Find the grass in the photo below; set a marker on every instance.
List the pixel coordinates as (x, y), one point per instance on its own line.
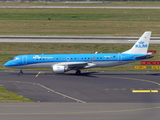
(79, 14)
(7, 96)
(9, 50)
(79, 22)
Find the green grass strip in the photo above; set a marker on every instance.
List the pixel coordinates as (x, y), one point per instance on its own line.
(79, 22)
(7, 96)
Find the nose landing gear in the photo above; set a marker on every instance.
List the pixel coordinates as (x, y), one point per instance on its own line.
(20, 72)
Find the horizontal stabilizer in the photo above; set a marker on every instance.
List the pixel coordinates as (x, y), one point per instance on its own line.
(146, 56)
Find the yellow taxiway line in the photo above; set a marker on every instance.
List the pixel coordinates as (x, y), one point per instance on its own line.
(145, 91)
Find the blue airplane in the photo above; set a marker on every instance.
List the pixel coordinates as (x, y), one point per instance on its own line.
(61, 63)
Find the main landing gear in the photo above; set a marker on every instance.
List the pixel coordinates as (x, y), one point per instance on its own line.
(78, 72)
(20, 72)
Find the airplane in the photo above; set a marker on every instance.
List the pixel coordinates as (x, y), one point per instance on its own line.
(61, 63)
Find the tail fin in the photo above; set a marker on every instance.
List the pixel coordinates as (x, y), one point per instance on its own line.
(141, 46)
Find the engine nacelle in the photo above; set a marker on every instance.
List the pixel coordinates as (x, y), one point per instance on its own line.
(59, 69)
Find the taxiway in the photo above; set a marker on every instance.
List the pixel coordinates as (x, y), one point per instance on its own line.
(90, 96)
(108, 87)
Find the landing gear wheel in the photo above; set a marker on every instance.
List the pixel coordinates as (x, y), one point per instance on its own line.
(78, 72)
(21, 72)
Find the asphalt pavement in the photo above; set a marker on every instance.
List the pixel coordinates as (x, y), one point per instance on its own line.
(107, 87)
(90, 96)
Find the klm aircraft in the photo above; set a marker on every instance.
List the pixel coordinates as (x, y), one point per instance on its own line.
(61, 63)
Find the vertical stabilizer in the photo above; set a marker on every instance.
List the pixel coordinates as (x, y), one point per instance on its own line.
(141, 46)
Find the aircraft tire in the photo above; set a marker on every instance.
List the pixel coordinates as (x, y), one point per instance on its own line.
(78, 72)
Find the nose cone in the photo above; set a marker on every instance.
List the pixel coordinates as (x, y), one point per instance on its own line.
(6, 64)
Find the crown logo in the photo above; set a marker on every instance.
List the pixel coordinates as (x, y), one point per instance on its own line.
(141, 45)
(141, 42)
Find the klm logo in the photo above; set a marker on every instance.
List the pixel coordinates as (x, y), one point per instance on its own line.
(36, 57)
(141, 45)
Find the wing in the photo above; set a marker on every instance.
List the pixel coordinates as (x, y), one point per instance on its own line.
(76, 65)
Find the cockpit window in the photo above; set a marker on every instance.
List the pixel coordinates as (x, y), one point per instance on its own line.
(15, 59)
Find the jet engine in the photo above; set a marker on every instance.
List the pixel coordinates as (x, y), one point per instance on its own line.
(59, 69)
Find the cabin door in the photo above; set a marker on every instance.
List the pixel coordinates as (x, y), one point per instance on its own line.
(119, 57)
(24, 59)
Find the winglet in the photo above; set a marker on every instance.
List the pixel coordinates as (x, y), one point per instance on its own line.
(141, 46)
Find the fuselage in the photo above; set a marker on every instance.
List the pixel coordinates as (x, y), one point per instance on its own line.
(48, 60)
